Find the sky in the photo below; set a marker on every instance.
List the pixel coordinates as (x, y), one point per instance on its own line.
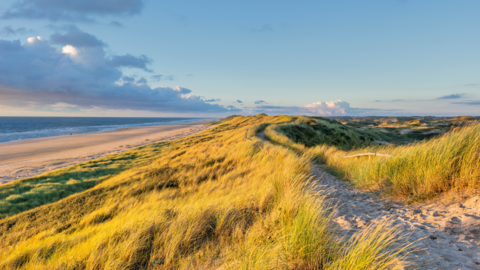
(218, 58)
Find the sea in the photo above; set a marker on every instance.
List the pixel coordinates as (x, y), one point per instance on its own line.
(24, 128)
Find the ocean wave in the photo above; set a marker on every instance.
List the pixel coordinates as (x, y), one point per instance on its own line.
(61, 131)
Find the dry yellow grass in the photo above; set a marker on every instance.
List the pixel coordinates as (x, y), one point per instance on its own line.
(419, 171)
(207, 201)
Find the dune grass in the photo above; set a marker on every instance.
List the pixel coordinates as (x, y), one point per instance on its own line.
(312, 131)
(202, 202)
(416, 172)
(24, 194)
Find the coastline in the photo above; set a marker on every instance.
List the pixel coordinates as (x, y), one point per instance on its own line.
(28, 158)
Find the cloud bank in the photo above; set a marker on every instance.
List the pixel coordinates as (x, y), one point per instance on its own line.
(452, 96)
(38, 75)
(77, 38)
(130, 61)
(260, 102)
(329, 108)
(469, 102)
(71, 10)
(10, 31)
(160, 77)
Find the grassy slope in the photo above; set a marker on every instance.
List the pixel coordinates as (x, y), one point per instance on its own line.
(208, 200)
(28, 193)
(312, 131)
(415, 172)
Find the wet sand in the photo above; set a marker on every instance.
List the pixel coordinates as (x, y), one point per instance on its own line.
(28, 158)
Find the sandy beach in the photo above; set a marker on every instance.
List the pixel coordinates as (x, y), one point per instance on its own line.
(28, 158)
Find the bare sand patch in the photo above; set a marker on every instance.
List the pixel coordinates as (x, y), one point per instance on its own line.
(448, 235)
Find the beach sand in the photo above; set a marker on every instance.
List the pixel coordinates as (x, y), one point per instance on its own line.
(446, 236)
(29, 158)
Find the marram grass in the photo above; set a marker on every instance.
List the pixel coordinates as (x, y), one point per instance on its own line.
(208, 201)
(415, 172)
(420, 171)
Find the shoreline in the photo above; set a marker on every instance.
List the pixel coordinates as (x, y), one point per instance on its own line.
(110, 129)
(32, 157)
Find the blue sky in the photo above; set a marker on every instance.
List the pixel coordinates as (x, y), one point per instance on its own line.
(200, 58)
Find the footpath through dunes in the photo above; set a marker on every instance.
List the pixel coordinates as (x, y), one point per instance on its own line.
(220, 199)
(447, 237)
(212, 200)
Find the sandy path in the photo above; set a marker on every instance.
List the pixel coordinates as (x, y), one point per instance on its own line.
(33, 157)
(450, 236)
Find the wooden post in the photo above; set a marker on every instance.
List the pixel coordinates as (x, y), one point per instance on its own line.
(369, 154)
(247, 139)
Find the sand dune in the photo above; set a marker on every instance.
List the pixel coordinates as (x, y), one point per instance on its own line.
(448, 237)
(33, 157)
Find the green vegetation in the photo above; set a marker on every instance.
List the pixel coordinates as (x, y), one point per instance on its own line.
(419, 171)
(465, 118)
(25, 194)
(312, 131)
(411, 128)
(202, 202)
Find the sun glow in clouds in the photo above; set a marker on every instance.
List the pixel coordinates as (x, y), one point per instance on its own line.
(69, 49)
(34, 39)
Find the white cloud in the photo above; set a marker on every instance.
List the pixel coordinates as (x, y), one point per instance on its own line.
(328, 108)
(35, 39)
(69, 49)
(337, 107)
(39, 76)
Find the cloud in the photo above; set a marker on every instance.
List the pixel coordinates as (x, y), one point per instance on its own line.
(469, 102)
(471, 84)
(263, 29)
(239, 101)
(10, 46)
(452, 96)
(128, 79)
(260, 102)
(74, 11)
(213, 100)
(142, 80)
(189, 75)
(130, 61)
(116, 24)
(39, 76)
(329, 108)
(160, 77)
(10, 31)
(77, 38)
